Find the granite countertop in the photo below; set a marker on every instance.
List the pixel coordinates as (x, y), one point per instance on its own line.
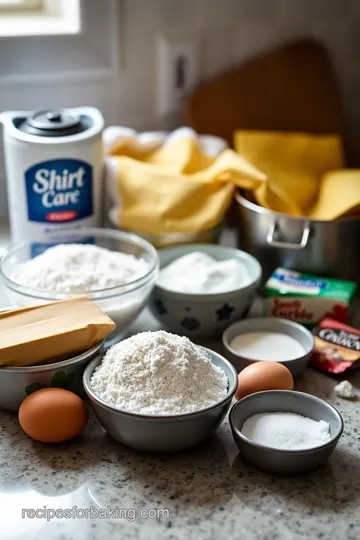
(205, 493)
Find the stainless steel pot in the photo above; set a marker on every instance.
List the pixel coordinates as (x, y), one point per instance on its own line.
(328, 248)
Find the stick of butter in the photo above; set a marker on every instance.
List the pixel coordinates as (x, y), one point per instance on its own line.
(307, 299)
(47, 332)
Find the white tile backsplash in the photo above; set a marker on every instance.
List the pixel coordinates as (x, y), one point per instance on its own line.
(139, 51)
(135, 100)
(232, 31)
(323, 10)
(256, 10)
(216, 13)
(143, 14)
(218, 51)
(184, 13)
(257, 36)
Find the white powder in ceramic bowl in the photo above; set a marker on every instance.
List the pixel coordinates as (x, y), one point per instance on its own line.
(197, 272)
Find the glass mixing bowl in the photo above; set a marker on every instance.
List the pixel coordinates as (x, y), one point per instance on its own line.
(122, 303)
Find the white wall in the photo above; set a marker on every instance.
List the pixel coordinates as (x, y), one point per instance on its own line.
(231, 31)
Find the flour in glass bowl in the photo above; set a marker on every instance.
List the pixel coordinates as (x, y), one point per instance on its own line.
(157, 373)
(85, 268)
(77, 268)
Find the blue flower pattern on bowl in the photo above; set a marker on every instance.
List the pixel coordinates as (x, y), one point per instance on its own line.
(190, 323)
(224, 312)
(159, 306)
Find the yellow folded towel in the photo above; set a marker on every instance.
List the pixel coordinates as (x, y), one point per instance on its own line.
(178, 188)
(339, 196)
(294, 163)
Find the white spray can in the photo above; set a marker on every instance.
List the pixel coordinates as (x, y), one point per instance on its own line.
(54, 167)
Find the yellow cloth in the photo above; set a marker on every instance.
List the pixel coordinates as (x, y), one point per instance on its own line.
(295, 164)
(177, 188)
(339, 195)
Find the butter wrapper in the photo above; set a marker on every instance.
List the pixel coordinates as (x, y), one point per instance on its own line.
(48, 332)
(307, 299)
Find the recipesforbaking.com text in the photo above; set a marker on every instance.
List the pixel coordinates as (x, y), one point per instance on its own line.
(110, 512)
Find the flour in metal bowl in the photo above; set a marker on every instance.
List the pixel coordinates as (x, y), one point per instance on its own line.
(157, 373)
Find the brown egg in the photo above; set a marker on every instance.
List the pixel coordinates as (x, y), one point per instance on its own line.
(53, 415)
(263, 376)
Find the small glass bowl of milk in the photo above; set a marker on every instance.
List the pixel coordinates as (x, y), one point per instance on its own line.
(270, 340)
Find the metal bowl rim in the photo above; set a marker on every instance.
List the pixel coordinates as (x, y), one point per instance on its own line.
(55, 365)
(334, 438)
(89, 370)
(249, 205)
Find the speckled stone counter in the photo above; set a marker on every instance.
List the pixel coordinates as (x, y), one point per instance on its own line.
(206, 493)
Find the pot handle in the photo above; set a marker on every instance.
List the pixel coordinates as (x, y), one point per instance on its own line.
(288, 245)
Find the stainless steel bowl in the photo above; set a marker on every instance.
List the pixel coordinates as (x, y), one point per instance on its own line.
(269, 324)
(16, 383)
(162, 433)
(276, 461)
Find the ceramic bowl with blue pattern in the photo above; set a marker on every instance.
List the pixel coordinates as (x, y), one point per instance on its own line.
(204, 314)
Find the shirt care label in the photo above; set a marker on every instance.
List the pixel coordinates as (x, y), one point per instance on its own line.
(59, 190)
(307, 299)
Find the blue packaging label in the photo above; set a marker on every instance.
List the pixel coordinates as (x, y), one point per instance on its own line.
(59, 190)
(299, 281)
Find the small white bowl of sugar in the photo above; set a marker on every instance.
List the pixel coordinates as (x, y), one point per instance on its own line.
(268, 339)
(285, 432)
